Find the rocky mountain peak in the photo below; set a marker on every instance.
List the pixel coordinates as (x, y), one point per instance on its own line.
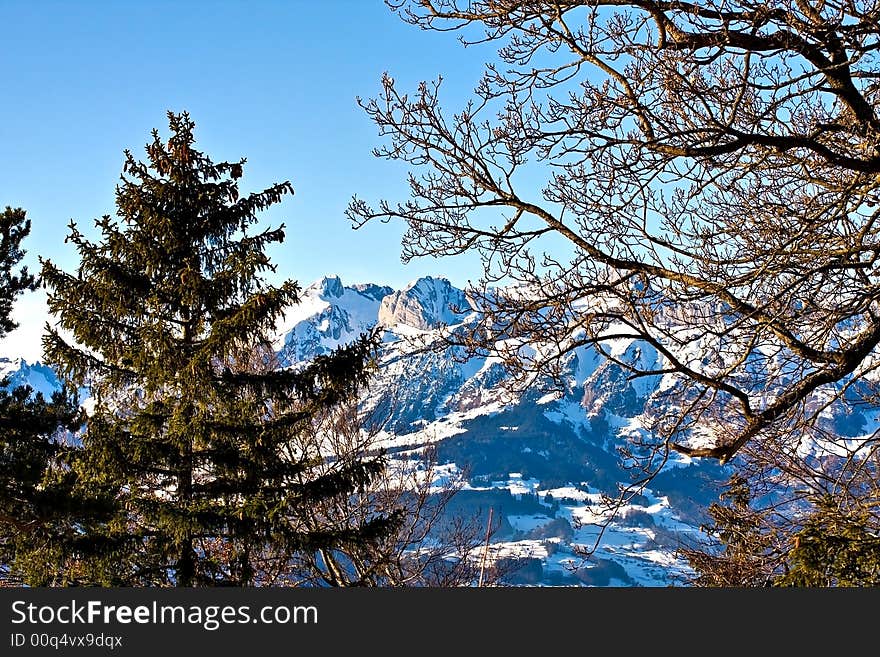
(423, 304)
(329, 287)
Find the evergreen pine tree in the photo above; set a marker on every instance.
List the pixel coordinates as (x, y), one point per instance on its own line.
(744, 547)
(42, 514)
(838, 546)
(169, 315)
(14, 227)
(34, 489)
(830, 539)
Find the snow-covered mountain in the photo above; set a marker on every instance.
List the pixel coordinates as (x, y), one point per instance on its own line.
(542, 461)
(424, 304)
(327, 316)
(545, 463)
(39, 377)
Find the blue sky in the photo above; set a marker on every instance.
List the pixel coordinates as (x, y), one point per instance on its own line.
(272, 81)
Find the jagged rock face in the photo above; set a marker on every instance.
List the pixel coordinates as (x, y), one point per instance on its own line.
(425, 304)
(331, 287)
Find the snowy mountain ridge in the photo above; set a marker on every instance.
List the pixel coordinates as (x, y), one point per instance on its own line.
(521, 448)
(39, 377)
